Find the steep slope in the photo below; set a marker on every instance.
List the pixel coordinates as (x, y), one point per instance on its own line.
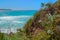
(45, 25)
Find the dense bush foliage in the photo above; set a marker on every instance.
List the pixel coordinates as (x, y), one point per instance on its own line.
(45, 25)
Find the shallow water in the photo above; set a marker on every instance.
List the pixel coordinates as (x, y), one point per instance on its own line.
(14, 19)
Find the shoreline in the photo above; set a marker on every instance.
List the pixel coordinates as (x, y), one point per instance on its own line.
(8, 30)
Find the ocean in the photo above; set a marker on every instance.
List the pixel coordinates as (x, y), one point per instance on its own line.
(11, 20)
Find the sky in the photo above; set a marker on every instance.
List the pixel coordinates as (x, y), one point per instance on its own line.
(23, 4)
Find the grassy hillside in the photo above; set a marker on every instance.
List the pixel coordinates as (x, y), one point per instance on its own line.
(44, 25)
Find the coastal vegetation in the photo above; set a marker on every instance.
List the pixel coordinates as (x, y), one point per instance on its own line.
(44, 25)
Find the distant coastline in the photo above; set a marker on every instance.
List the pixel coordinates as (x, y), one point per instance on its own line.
(5, 9)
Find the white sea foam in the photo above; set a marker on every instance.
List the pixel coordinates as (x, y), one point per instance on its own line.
(12, 17)
(8, 30)
(18, 21)
(11, 20)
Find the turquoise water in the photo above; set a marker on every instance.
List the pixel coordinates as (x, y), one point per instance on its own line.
(15, 19)
(17, 13)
